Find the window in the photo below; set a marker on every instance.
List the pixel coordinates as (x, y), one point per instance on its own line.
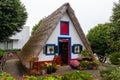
(10, 45)
(76, 48)
(6, 45)
(50, 49)
(2, 45)
(64, 27)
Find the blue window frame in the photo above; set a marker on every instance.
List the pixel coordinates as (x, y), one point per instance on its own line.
(76, 48)
(64, 27)
(50, 49)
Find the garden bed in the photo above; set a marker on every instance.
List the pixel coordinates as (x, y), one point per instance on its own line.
(67, 69)
(61, 70)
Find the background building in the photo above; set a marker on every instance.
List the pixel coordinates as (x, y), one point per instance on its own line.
(17, 41)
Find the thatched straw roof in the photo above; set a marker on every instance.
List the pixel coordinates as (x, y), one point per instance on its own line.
(38, 40)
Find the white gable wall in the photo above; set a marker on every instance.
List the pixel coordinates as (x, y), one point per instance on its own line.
(75, 39)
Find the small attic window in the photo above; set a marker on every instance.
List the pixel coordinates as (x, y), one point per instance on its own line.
(64, 27)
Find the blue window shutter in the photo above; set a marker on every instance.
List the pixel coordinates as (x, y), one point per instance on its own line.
(56, 49)
(81, 48)
(45, 49)
(73, 49)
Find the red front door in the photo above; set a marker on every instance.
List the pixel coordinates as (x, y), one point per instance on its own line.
(64, 51)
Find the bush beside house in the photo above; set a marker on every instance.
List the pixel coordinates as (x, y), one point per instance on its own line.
(115, 58)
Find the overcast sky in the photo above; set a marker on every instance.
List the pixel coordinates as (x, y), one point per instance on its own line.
(89, 12)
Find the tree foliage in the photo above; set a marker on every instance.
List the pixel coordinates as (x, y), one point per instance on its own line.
(115, 18)
(100, 38)
(12, 17)
(105, 38)
(36, 26)
(115, 58)
(107, 35)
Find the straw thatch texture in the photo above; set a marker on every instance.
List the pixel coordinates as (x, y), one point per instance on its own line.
(38, 40)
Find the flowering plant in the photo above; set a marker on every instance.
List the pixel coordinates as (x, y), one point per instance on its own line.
(57, 60)
(50, 67)
(6, 76)
(29, 78)
(52, 77)
(74, 64)
(34, 72)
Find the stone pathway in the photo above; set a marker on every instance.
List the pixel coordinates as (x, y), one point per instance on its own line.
(13, 67)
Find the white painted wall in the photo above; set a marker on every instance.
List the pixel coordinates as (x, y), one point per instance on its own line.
(20, 38)
(75, 39)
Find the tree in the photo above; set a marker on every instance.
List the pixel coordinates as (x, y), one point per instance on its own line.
(105, 38)
(36, 26)
(115, 18)
(12, 17)
(115, 46)
(100, 38)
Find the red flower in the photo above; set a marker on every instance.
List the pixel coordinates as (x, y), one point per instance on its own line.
(24, 77)
(47, 75)
(90, 78)
(59, 74)
(15, 76)
(4, 79)
(30, 79)
(37, 72)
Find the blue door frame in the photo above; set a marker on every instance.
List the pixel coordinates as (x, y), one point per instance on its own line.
(68, 39)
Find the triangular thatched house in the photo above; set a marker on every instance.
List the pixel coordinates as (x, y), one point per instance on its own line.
(60, 33)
